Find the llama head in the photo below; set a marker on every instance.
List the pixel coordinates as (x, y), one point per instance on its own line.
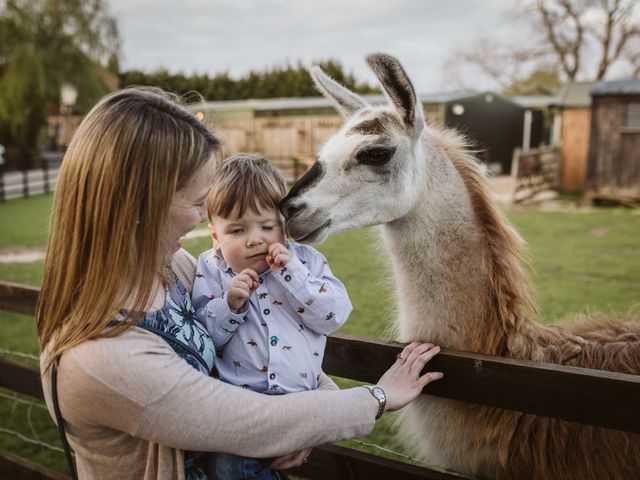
(368, 173)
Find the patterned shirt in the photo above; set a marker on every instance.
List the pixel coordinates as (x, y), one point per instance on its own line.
(276, 344)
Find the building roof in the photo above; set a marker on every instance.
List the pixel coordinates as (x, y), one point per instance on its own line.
(315, 102)
(617, 87)
(535, 101)
(575, 94)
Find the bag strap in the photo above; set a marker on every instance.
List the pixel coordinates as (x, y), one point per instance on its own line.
(174, 341)
(60, 420)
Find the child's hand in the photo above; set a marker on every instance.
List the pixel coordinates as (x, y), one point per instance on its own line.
(277, 256)
(241, 288)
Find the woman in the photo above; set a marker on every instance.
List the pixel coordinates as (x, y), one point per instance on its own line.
(114, 316)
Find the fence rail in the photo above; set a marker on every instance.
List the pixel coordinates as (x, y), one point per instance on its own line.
(23, 183)
(595, 397)
(535, 171)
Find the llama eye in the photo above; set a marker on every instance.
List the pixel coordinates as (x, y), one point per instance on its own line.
(375, 156)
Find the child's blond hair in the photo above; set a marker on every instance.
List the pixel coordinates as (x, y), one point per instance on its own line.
(246, 181)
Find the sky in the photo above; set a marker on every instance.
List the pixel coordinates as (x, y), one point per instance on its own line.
(241, 35)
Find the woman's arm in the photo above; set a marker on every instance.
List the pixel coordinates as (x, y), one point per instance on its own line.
(325, 383)
(135, 383)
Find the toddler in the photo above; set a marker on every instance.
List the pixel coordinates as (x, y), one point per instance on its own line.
(268, 304)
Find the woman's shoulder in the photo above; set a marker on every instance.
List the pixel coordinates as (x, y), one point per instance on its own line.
(111, 381)
(184, 266)
(119, 365)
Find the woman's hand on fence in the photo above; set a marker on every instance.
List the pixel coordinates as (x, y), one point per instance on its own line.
(290, 460)
(402, 382)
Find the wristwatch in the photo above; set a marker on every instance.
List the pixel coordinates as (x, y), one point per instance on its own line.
(380, 396)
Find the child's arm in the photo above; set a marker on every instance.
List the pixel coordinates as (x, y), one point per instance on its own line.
(210, 302)
(320, 299)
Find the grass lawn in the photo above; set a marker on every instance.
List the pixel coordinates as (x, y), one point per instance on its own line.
(581, 262)
(25, 222)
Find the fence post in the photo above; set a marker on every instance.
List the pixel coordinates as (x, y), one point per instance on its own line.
(296, 171)
(25, 183)
(2, 193)
(515, 163)
(45, 172)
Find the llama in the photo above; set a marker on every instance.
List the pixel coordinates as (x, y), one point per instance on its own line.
(460, 283)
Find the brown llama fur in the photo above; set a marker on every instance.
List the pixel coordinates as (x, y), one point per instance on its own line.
(494, 443)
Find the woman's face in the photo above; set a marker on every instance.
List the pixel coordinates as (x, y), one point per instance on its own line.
(188, 207)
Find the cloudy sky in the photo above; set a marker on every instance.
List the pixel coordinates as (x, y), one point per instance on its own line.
(240, 35)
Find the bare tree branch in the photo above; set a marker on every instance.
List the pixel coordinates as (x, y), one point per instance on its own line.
(580, 38)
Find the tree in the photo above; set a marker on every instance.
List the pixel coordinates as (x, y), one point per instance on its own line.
(544, 80)
(571, 27)
(21, 108)
(279, 81)
(579, 39)
(44, 43)
(502, 65)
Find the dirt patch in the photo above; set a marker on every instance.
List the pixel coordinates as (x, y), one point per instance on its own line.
(22, 255)
(599, 232)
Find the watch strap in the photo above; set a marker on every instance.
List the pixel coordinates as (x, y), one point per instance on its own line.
(382, 402)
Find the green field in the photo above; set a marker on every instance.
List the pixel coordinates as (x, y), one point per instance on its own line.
(582, 262)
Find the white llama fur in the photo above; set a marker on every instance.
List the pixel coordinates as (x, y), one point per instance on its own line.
(459, 282)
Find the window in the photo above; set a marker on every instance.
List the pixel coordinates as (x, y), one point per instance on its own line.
(633, 115)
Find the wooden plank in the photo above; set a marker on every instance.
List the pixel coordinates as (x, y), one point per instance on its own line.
(594, 397)
(576, 126)
(340, 463)
(20, 378)
(13, 467)
(18, 298)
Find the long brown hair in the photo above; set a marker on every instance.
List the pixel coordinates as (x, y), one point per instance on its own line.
(129, 156)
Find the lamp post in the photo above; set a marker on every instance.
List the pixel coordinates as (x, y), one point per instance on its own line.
(68, 97)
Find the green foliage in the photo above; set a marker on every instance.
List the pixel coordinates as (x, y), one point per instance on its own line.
(44, 43)
(22, 90)
(287, 81)
(542, 81)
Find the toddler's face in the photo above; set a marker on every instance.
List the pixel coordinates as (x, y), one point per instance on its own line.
(244, 240)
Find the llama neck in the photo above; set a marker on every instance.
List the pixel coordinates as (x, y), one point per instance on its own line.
(440, 257)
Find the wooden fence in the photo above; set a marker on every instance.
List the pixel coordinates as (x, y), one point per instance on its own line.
(535, 171)
(23, 183)
(280, 140)
(604, 399)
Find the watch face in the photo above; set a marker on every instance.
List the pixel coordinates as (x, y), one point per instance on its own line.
(378, 393)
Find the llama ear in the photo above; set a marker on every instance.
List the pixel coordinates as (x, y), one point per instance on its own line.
(346, 101)
(398, 88)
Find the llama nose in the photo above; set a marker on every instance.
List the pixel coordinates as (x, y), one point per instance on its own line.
(289, 209)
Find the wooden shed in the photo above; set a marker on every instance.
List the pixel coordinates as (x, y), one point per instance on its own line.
(495, 125)
(573, 122)
(614, 148)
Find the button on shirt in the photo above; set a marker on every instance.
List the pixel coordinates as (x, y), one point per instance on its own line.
(275, 345)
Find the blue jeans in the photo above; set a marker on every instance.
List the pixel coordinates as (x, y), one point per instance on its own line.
(224, 466)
